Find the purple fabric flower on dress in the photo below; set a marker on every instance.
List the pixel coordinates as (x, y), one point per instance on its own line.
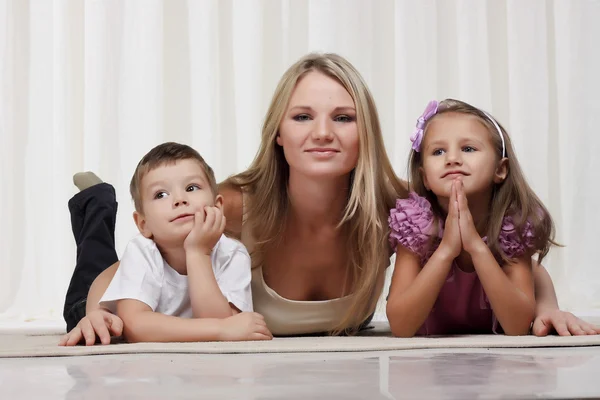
(411, 224)
(511, 244)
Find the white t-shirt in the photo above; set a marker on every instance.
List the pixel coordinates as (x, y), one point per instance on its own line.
(144, 275)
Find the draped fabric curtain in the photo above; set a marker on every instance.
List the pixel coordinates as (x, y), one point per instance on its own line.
(94, 84)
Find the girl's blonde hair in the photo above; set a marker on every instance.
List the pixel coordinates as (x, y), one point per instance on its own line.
(512, 197)
(373, 186)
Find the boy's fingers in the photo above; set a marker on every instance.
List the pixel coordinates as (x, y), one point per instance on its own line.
(100, 329)
(75, 336)
(210, 217)
(88, 332)
(116, 325)
(199, 217)
(223, 224)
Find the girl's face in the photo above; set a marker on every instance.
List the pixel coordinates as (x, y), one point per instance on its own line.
(319, 133)
(459, 145)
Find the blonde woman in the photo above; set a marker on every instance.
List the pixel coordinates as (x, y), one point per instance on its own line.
(312, 210)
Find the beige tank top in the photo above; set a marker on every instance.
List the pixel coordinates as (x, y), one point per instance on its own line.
(292, 317)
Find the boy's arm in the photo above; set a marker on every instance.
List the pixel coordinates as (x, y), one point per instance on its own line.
(413, 290)
(99, 287)
(141, 324)
(509, 289)
(205, 295)
(144, 325)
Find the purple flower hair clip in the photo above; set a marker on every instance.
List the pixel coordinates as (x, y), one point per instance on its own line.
(417, 136)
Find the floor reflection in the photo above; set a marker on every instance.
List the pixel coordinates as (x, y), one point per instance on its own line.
(501, 373)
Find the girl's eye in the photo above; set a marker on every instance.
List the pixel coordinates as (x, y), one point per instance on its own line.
(343, 118)
(468, 149)
(192, 188)
(160, 195)
(438, 152)
(302, 117)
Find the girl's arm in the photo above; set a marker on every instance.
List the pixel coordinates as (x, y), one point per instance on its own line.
(413, 291)
(545, 296)
(548, 317)
(509, 289)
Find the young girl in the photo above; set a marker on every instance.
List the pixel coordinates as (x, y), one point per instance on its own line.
(465, 236)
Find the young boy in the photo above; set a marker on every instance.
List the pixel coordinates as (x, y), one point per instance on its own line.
(181, 279)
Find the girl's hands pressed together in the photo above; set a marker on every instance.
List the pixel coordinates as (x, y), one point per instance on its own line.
(451, 241)
(471, 241)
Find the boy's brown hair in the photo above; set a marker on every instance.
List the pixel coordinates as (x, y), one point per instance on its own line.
(166, 153)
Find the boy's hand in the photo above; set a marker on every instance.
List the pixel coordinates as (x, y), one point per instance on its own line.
(245, 326)
(99, 323)
(209, 225)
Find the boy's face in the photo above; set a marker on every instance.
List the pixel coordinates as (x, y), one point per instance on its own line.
(171, 194)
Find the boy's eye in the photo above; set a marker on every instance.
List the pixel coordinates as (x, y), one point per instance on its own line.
(160, 195)
(192, 188)
(302, 117)
(343, 118)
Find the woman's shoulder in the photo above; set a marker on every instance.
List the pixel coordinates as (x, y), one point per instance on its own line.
(233, 208)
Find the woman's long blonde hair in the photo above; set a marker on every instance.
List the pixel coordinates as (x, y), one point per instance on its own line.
(512, 197)
(373, 186)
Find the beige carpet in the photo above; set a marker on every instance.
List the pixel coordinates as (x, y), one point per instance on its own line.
(375, 340)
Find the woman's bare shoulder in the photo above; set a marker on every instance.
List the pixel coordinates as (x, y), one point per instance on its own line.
(233, 208)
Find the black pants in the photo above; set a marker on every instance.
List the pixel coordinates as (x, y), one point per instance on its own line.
(93, 217)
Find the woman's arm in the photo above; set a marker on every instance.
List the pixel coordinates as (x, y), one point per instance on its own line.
(413, 291)
(509, 289)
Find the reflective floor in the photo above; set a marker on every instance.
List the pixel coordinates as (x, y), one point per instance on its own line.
(410, 374)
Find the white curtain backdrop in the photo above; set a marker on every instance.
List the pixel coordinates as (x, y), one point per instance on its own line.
(94, 84)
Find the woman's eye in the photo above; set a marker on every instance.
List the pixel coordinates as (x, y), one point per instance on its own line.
(160, 195)
(344, 118)
(192, 188)
(302, 117)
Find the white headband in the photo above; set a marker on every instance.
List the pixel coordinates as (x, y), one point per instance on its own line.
(430, 111)
(499, 132)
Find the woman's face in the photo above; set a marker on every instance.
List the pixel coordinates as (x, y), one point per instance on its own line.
(318, 133)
